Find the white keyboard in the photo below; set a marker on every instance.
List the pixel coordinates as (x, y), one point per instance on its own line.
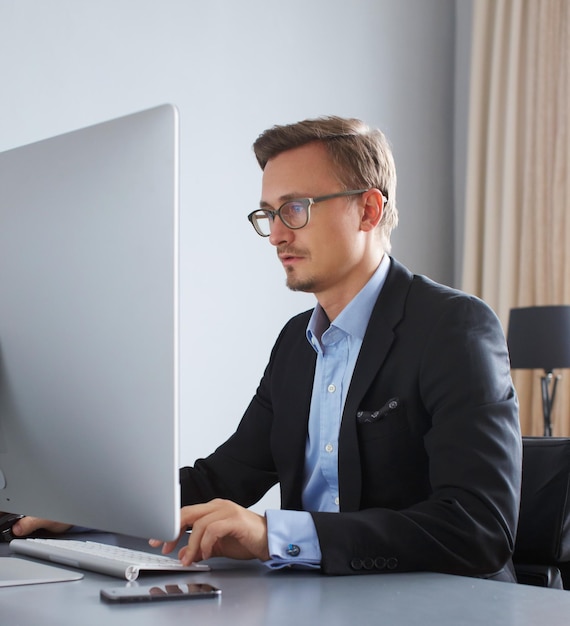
(100, 557)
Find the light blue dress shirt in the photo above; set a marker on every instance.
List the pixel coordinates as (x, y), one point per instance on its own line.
(292, 535)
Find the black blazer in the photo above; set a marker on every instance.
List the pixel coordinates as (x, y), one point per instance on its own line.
(429, 445)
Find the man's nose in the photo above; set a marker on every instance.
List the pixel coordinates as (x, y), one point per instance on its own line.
(279, 232)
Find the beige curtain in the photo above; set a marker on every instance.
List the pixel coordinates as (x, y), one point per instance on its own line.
(517, 225)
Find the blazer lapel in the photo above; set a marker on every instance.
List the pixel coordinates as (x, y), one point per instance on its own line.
(387, 313)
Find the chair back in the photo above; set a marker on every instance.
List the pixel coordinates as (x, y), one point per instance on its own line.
(543, 536)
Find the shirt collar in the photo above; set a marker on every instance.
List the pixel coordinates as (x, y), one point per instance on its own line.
(354, 318)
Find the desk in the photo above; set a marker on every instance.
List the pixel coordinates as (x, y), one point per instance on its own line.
(254, 596)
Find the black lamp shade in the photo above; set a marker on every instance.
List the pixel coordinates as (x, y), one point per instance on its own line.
(539, 337)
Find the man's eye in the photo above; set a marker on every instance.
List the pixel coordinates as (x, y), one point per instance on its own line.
(294, 208)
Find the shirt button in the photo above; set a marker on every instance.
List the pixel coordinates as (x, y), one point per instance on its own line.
(329, 447)
(337, 500)
(331, 388)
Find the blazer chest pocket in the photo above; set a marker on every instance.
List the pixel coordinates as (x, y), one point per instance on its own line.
(383, 422)
(371, 417)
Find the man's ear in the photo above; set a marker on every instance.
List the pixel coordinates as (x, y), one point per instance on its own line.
(372, 210)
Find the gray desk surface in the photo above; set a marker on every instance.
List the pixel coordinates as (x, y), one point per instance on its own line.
(254, 596)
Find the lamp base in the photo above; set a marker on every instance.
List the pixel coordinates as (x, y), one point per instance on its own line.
(548, 384)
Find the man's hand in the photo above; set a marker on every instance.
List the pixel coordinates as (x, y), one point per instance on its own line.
(28, 525)
(220, 528)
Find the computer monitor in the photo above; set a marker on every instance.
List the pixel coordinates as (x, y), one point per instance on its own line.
(89, 326)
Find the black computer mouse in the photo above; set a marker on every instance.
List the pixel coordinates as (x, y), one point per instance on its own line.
(6, 523)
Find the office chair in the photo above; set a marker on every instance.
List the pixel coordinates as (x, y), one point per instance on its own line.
(542, 547)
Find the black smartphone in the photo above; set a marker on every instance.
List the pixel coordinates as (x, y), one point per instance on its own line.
(7, 520)
(159, 593)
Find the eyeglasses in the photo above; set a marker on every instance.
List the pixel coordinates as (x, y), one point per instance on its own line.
(294, 214)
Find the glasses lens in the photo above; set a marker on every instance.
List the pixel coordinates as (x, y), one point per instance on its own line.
(262, 223)
(294, 214)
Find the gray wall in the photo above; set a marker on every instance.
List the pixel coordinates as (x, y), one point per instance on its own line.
(235, 68)
(463, 23)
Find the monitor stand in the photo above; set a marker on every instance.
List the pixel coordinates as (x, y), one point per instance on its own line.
(16, 571)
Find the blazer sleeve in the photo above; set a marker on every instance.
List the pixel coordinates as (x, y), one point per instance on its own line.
(241, 469)
(244, 467)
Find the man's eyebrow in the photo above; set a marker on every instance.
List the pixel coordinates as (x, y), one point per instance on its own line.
(282, 199)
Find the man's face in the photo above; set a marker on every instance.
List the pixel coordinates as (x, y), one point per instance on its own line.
(326, 256)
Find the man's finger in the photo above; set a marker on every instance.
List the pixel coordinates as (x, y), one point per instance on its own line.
(167, 546)
(28, 525)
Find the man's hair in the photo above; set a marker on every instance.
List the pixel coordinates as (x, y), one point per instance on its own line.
(361, 156)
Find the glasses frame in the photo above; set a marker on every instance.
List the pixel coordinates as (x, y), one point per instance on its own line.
(308, 202)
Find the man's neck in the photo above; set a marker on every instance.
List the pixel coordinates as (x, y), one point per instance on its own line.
(334, 300)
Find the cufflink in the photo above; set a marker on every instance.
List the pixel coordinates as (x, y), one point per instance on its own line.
(293, 550)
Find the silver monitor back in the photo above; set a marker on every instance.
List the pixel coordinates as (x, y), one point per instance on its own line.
(89, 326)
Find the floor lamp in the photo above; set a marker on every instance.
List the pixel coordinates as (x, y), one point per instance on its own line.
(539, 338)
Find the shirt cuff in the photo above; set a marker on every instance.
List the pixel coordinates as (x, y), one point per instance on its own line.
(292, 539)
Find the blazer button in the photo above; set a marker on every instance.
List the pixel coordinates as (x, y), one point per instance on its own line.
(392, 563)
(380, 562)
(356, 564)
(368, 563)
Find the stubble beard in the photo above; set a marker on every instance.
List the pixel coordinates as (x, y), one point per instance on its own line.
(295, 283)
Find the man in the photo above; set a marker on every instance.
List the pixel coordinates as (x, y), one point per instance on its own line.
(387, 414)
